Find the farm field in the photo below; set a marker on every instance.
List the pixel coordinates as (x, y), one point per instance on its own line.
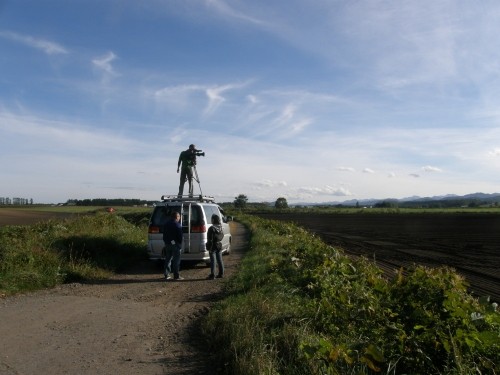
(28, 216)
(467, 242)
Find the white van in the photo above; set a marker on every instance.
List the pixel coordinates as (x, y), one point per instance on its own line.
(196, 214)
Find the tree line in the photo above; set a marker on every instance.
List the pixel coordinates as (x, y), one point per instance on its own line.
(15, 201)
(108, 202)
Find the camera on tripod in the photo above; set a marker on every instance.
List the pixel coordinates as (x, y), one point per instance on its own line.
(199, 152)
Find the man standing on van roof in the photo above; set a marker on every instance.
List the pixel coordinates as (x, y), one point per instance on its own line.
(188, 160)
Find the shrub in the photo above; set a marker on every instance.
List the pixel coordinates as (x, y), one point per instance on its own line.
(83, 248)
(299, 306)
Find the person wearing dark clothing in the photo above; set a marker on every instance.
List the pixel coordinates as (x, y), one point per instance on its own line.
(172, 236)
(214, 247)
(186, 163)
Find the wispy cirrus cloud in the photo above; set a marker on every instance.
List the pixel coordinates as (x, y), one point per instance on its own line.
(46, 46)
(223, 8)
(104, 63)
(215, 96)
(181, 97)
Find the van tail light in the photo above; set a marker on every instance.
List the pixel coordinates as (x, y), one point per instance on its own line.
(198, 229)
(153, 229)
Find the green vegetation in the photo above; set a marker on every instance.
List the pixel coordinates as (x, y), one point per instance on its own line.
(299, 306)
(296, 306)
(254, 208)
(85, 247)
(108, 202)
(240, 201)
(281, 203)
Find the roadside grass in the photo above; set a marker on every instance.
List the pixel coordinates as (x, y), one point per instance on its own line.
(299, 306)
(82, 248)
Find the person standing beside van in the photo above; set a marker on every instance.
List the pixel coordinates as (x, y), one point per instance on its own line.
(172, 237)
(215, 235)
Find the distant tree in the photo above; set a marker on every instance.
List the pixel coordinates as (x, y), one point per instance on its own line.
(240, 201)
(387, 204)
(281, 203)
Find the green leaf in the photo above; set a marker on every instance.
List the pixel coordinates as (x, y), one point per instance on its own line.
(375, 352)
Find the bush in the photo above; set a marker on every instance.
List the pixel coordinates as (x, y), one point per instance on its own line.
(299, 306)
(85, 248)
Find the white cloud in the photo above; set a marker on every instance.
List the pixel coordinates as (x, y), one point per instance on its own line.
(270, 184)
(178, 98)
(226, 10)
(429, 168)
(368, 170)
(325, 190)
(391, 174)
(60, 137)
(50, 48)
(414, 175)
(104, 63)
(215, 98)
(252, 99)
(495, 152)
(346, 169)
(182, 97)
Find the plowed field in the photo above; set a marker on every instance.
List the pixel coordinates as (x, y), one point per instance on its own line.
(470, 243)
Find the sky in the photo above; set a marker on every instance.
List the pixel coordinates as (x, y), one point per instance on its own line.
(309, 100)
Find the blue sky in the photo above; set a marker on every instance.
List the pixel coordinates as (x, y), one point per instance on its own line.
(314, 101)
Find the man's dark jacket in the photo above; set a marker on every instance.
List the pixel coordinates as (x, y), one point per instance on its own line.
(172, 231)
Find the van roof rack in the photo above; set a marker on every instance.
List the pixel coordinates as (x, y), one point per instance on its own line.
(186, 198)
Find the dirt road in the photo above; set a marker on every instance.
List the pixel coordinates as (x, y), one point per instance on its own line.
(134, 323)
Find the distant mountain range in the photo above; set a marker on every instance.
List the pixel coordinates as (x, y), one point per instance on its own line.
(475, 199)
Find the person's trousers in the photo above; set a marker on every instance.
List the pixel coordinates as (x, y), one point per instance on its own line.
(186, 173)
(172, 260)
(216, 256)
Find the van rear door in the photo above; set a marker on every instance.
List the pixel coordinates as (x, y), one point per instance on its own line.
(193, 226)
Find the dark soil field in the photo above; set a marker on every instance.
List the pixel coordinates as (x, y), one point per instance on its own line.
(469, 243)
(22, 216)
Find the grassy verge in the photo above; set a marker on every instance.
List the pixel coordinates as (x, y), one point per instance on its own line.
(86, 247)
(299, 306)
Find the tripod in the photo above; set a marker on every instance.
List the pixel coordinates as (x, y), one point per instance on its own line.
(197, 179)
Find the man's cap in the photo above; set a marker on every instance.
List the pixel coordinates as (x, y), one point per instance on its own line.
(192, 146)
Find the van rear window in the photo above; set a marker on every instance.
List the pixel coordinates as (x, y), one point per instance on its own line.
(163, 213)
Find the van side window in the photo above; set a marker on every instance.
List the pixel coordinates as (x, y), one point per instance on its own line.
(211, 210)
